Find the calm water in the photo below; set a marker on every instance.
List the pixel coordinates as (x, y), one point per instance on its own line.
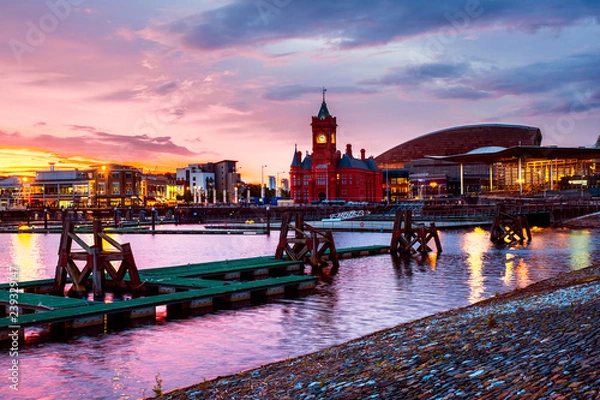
(367, 295)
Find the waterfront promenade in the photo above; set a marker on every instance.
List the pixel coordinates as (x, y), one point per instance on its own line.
(540, 342)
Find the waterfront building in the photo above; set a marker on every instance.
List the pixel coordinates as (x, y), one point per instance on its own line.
(487, 158)
(116, 185)
(60, 189)
(227, 181)
(11, 193)
(158, 189)
(209, 182)
(326, 174)
(197, 180)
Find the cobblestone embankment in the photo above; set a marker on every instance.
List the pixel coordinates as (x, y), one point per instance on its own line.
(540, 342)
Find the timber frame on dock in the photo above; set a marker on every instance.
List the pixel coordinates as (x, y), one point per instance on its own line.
(309, 244)
(409, 237)
(509, 229)
(98, 264)
(184, 290)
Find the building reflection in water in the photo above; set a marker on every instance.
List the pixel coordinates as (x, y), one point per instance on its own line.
(516, 271)
(475, 243)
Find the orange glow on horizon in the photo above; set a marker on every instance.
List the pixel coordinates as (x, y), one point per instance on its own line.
(23, 161)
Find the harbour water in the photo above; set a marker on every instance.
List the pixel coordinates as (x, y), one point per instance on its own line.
(368, 294)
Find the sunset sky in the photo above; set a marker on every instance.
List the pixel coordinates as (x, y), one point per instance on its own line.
(161, 84)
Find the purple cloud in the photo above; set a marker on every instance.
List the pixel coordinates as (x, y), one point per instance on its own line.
(356, 23)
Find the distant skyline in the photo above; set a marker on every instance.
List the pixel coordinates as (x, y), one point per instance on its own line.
(163, 84)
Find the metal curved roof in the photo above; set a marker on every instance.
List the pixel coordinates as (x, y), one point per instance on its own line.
(487, 150)
(524, 152)
(460, 140)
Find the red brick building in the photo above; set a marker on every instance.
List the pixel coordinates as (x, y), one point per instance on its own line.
(326, 174)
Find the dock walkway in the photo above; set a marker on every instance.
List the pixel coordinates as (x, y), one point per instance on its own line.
(189, 289)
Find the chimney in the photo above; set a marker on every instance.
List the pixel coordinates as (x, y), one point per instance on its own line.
(51, 166)
(362, 154)
(349, 149)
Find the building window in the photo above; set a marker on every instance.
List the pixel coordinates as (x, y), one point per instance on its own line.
(115, 175)
(320, 179)
(100, 175)
(129, 189)
(116, 188)
(306, 180)
(101, 188)
(128, 175)
(344, 179)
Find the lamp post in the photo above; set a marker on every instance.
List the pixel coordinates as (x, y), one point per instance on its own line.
(387, 183)
(262, 186)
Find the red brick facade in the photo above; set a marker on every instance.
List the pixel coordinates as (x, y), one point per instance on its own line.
(326, 174)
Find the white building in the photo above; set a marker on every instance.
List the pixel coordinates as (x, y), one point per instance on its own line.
(198, 181)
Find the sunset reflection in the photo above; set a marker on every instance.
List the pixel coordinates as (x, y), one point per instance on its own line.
(475, 244)
(516, 271)
(25, 249)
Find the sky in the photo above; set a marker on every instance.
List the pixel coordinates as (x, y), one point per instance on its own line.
(162, 84)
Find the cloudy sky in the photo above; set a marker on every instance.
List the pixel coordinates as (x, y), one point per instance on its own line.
(161, 84)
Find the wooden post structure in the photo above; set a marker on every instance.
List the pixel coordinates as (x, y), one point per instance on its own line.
(410, 238)
(308, 244)
(98, 264)
(509, 229)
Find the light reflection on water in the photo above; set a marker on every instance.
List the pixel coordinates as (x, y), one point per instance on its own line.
(368, 294)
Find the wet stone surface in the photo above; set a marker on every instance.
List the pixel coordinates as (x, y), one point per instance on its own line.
(540, 342)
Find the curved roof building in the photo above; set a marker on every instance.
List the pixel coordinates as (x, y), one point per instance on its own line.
(460, 140)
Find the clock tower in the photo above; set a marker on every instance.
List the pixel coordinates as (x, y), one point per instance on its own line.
(324, 137)
(327, 175)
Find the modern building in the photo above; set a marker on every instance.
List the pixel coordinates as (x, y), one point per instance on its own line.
(272, 182)
(199, 180)
(487, 158)
(227, 181)
(60, 189)
(326, 174)
(210, 182)
(459, 140)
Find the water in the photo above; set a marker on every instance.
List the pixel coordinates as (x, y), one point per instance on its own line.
(368, 294)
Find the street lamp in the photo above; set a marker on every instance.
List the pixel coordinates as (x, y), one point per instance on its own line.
(262, 186)
(434, 185)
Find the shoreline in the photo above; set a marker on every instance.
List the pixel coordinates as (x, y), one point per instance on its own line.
(541, 341)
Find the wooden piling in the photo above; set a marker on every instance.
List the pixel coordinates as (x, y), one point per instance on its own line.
(410, 238)
(308, 244)
(509, 229)
(98, 264)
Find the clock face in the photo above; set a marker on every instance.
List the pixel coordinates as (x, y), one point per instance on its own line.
(321, 138)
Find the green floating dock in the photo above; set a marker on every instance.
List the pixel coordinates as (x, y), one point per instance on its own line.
(189, 289)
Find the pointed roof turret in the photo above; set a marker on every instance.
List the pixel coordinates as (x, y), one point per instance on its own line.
(296, 161)
(323, 112)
